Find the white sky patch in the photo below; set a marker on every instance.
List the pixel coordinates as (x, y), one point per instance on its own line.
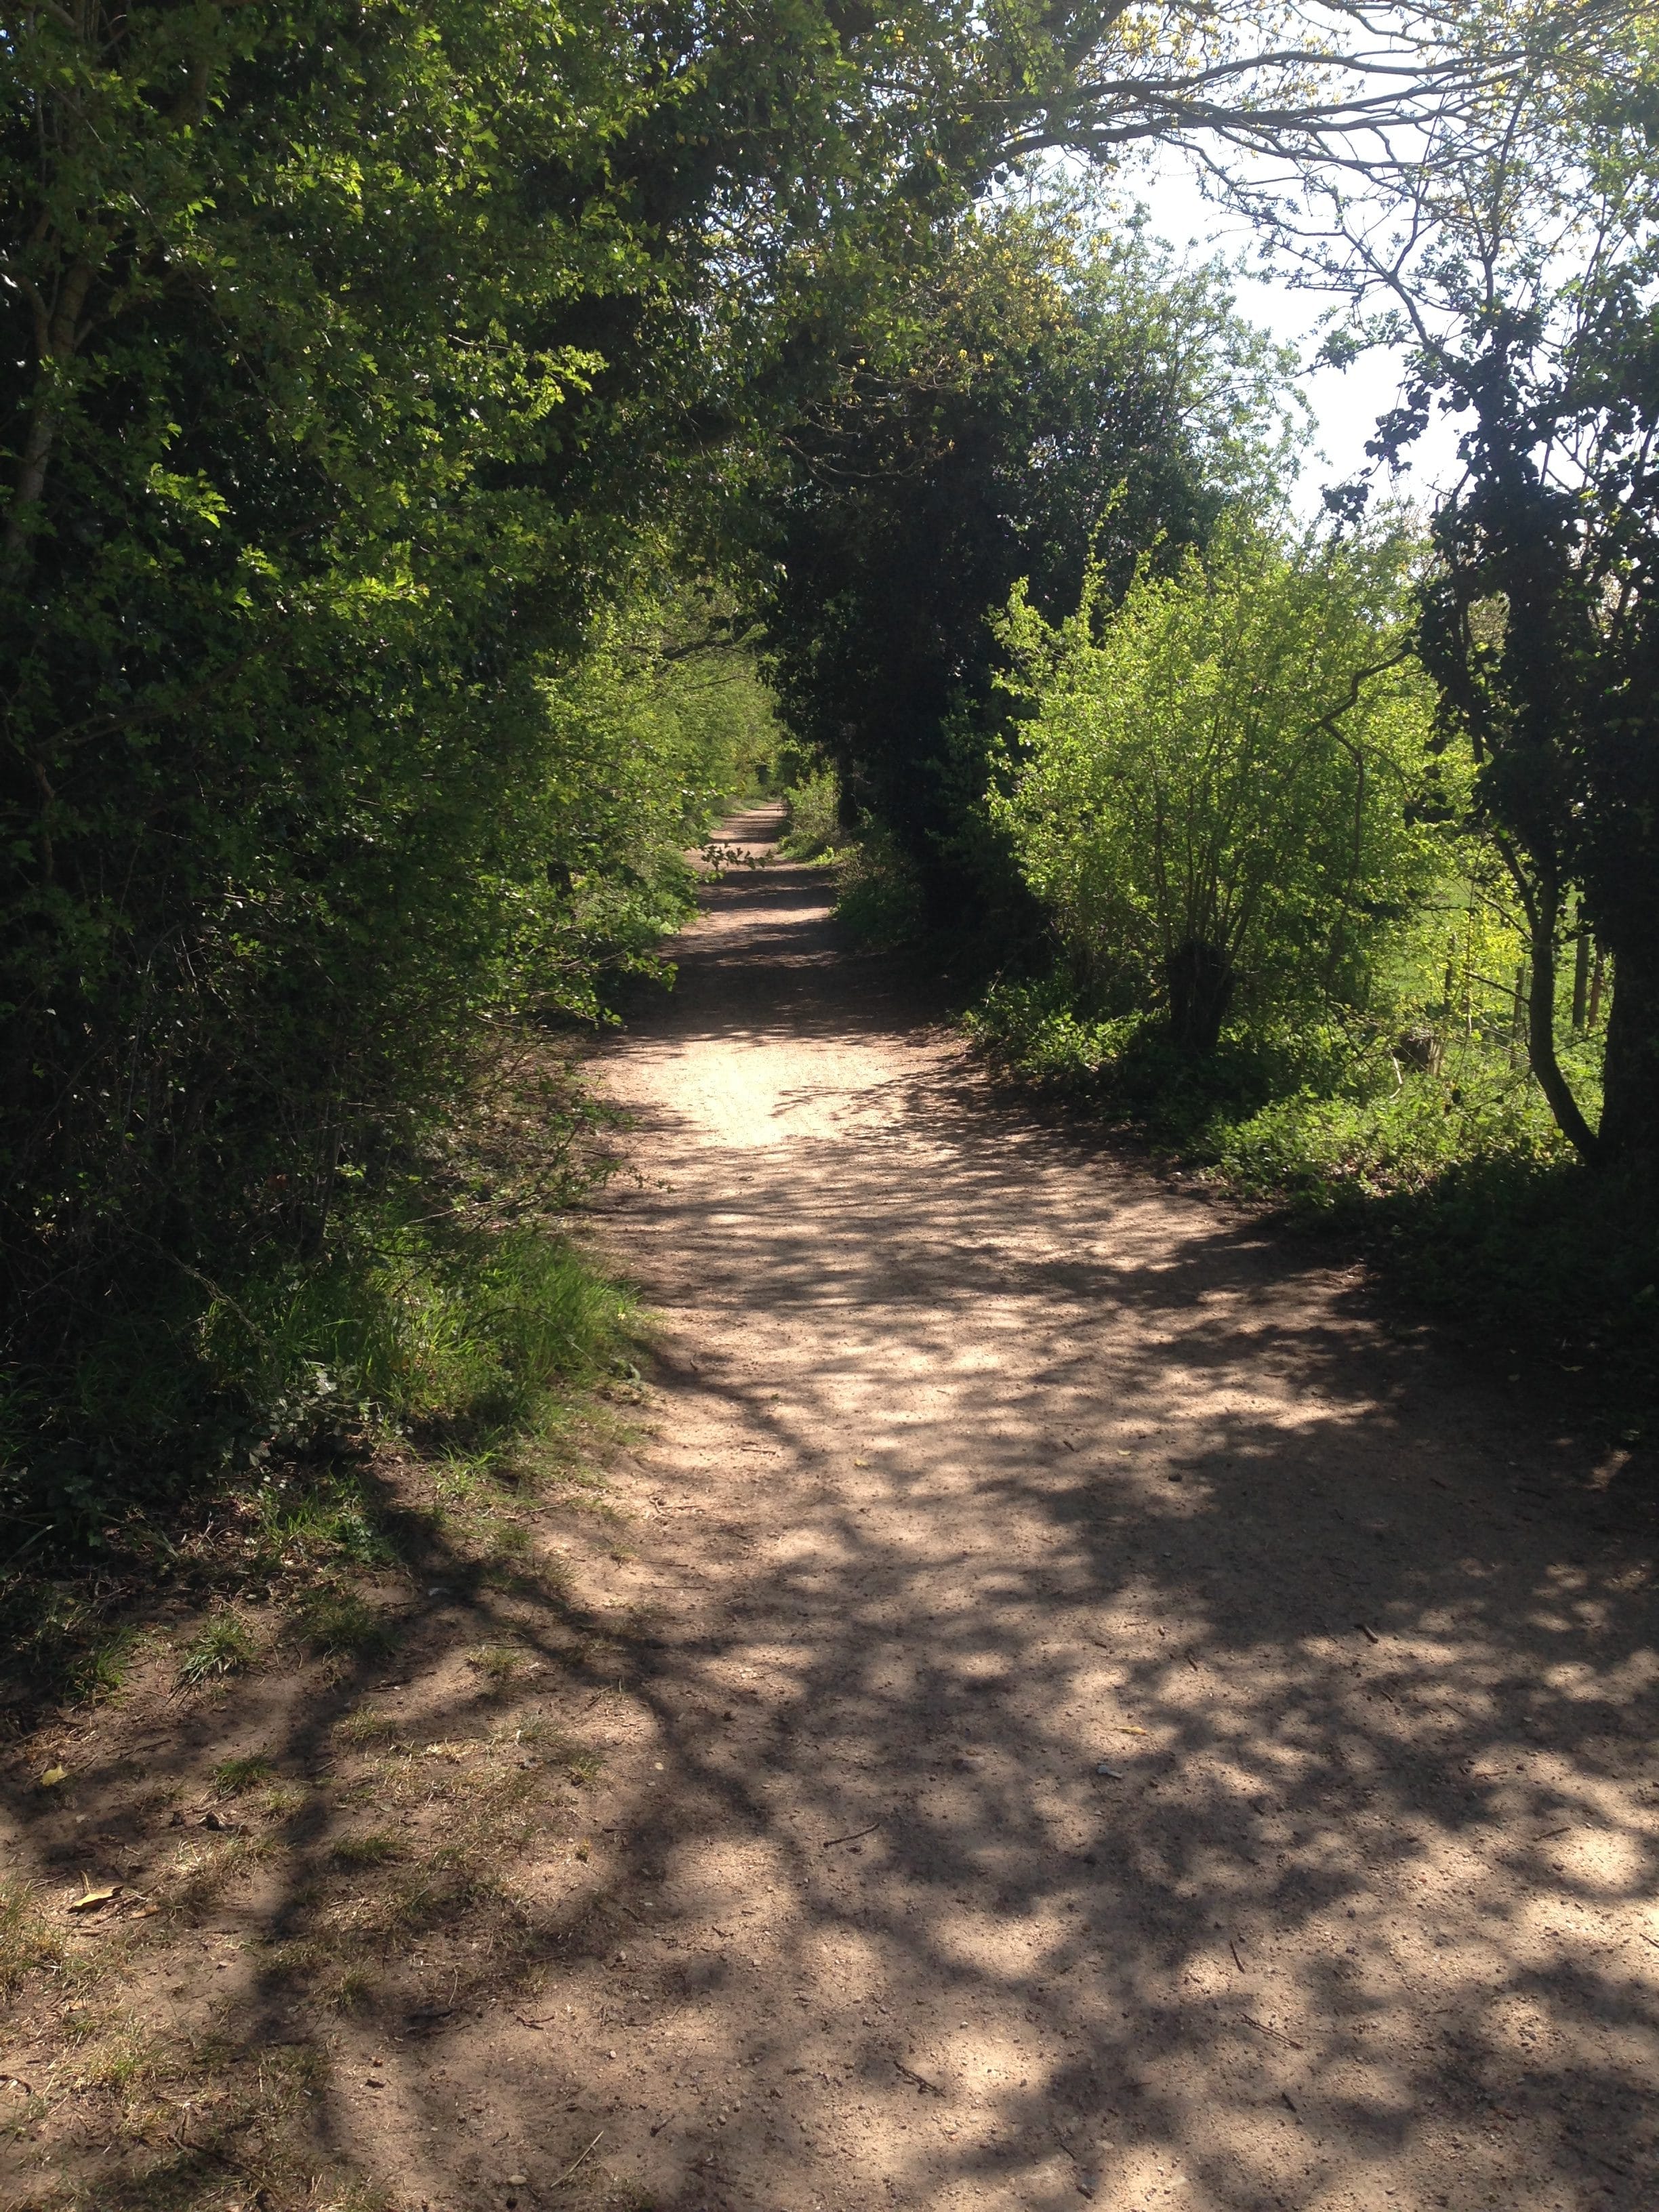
(1345, 403)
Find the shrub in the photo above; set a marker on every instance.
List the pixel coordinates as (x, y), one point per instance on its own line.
(1217, 794)
(879, 896)
(814, 829)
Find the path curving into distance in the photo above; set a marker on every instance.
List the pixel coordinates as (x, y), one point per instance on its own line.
(1240, 1727)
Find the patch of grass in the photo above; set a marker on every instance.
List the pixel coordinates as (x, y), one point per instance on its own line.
(29, 1941)
(296, 1961)
(121, 2057)
(373, 1849)
(295, 1523)
(366, 1725)
(101, 1670)
(450, 1887)
(231, 1777)
(354, 1992)
(223, 1645)
(497, 1662)
(532, 1728)
(581, 1764)
(201, 1871)
(337, 1624)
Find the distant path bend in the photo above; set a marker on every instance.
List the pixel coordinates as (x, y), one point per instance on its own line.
(1242, 1736)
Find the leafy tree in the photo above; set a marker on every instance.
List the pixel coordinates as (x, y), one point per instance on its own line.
(354, 349)
(1220, 784)
(1043, 403)
(1527, 280)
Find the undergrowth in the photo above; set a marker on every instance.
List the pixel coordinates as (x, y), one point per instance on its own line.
(813, 831)
(217, 1438)
(1454, 1177)
(879, 898)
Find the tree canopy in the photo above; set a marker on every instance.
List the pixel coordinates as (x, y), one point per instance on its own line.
(420, 411)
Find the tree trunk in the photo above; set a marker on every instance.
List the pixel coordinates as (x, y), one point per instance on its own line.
(1630, 1113)
(1200, 981)
(1541, 1029)
(1581, 979)
(56, 340)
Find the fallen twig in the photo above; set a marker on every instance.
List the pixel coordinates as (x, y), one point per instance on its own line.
(1262, 2029)
(575, 2162)
(920, 2080)
(852, 1837)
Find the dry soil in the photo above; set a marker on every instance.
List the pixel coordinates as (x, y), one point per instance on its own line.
(1076, 1708)
(1124, 1725)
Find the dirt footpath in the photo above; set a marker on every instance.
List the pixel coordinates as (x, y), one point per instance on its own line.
(1047, 1702)
(1116, 1724)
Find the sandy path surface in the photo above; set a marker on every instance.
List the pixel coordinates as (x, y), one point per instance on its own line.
(1241, 1732)
(1053, 1702)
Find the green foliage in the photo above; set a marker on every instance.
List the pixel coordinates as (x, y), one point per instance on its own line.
(365, 413)
(387, 381)
(879, 896)
(661, 723)
(1532, 282)
(1129, 1069)
(411, 1326)
(1034, 400)
(1384, 1133)
(223, 1645)
(814, 828)
(1219, 787)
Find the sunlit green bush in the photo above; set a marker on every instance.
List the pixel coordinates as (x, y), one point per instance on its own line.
(1220, 793)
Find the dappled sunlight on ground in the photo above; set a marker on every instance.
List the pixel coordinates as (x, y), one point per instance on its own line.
(1086, 1714)
(1255, 1766)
